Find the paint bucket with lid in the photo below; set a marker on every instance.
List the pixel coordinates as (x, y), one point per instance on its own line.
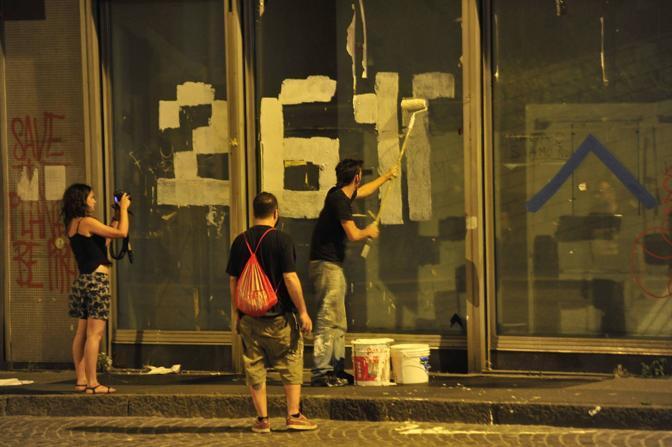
(410, 363)
(371, 361)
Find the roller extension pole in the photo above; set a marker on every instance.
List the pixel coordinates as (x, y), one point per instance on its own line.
(413, 106)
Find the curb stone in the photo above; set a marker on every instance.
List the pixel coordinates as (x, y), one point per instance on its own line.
(338, 408)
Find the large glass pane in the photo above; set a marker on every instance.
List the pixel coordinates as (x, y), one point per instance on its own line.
(582, 151)
(169, 151)
(370, 54)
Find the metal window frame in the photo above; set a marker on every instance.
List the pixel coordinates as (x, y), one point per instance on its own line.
(238, 70)
(94, 161)
(436, 340)
(4, 203)
(474, 200)
(489, 181)
(238, 152)
(496, 342)
(103, 46)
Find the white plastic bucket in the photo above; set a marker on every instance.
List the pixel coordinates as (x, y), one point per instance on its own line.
(371, 361)
(410, 363)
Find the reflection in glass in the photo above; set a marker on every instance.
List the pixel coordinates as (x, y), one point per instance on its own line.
(593, 259)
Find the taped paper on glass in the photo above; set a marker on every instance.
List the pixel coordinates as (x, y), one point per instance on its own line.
(317, 150)
(214, 138)
(387, 95)
(195, 94)
(185, 165)
(272, 133)
(365, 44)
(54, 182)
(311, 89)
(301, 204)
(169, 115)
(434, 85)
(28, 189)
(418, 169)
(366, 108)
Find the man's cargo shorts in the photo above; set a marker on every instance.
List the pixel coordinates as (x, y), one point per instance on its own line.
(273, 342)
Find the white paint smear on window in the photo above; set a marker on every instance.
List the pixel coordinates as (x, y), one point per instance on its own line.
(54, 182)
(195, 94)
(387, 93)
(193, 192)
(214, 138)
(185, 165)
(28, 189)
(317, 150)
(301, 204)
(418, 169)
(366, 108)
(434, 85)
(275, 149)
(169, 115)
(272, 132)
(311, 89)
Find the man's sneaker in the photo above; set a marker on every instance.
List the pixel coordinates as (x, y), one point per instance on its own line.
(328, 381)
(300, 423)
(261, 425)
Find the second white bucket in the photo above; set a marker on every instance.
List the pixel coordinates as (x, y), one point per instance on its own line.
(410, 363)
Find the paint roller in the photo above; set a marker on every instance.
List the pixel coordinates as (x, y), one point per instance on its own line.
(412, 106)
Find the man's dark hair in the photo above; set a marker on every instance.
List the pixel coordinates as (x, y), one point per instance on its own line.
(264, 205)
(346, 170)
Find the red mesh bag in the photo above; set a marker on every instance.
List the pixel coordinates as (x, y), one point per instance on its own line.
(255, 294)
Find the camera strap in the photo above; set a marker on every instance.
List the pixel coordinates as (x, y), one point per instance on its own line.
(125, 250)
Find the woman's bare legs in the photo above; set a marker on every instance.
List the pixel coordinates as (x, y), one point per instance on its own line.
(94, 334)
(78, 343)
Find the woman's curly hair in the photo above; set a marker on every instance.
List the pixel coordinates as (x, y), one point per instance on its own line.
(74, 202)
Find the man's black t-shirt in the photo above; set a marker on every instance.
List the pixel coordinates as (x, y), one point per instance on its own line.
(328, 242)
(276, 255)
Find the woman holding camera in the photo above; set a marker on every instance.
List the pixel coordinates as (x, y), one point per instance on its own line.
(90, 295)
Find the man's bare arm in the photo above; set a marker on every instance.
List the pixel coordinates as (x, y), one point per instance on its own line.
(296, 294)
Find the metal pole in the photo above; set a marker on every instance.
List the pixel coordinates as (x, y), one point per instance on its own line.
(473, 190)
(235, 94)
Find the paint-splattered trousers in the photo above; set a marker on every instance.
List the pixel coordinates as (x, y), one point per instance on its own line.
(329, 342)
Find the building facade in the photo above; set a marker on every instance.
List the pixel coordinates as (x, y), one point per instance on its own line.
(529, 229)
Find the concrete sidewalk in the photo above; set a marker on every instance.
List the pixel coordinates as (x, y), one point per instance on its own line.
(606, 402)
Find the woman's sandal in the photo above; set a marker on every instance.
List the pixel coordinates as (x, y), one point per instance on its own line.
(81, 387)
(92, 389)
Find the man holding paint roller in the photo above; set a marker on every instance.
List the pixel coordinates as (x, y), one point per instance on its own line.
(327, 253)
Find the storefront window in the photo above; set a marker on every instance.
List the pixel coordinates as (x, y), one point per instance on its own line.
(169, 150)
(330, 78)
(582, 149)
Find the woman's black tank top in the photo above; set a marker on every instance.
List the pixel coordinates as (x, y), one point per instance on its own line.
(90, 252)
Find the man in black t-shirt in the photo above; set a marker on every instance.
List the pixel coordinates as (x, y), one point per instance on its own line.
(327, 253)
(274, 339)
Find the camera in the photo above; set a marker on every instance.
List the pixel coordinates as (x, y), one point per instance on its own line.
(117, 198)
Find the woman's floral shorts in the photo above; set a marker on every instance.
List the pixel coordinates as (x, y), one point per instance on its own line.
(90, 296)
